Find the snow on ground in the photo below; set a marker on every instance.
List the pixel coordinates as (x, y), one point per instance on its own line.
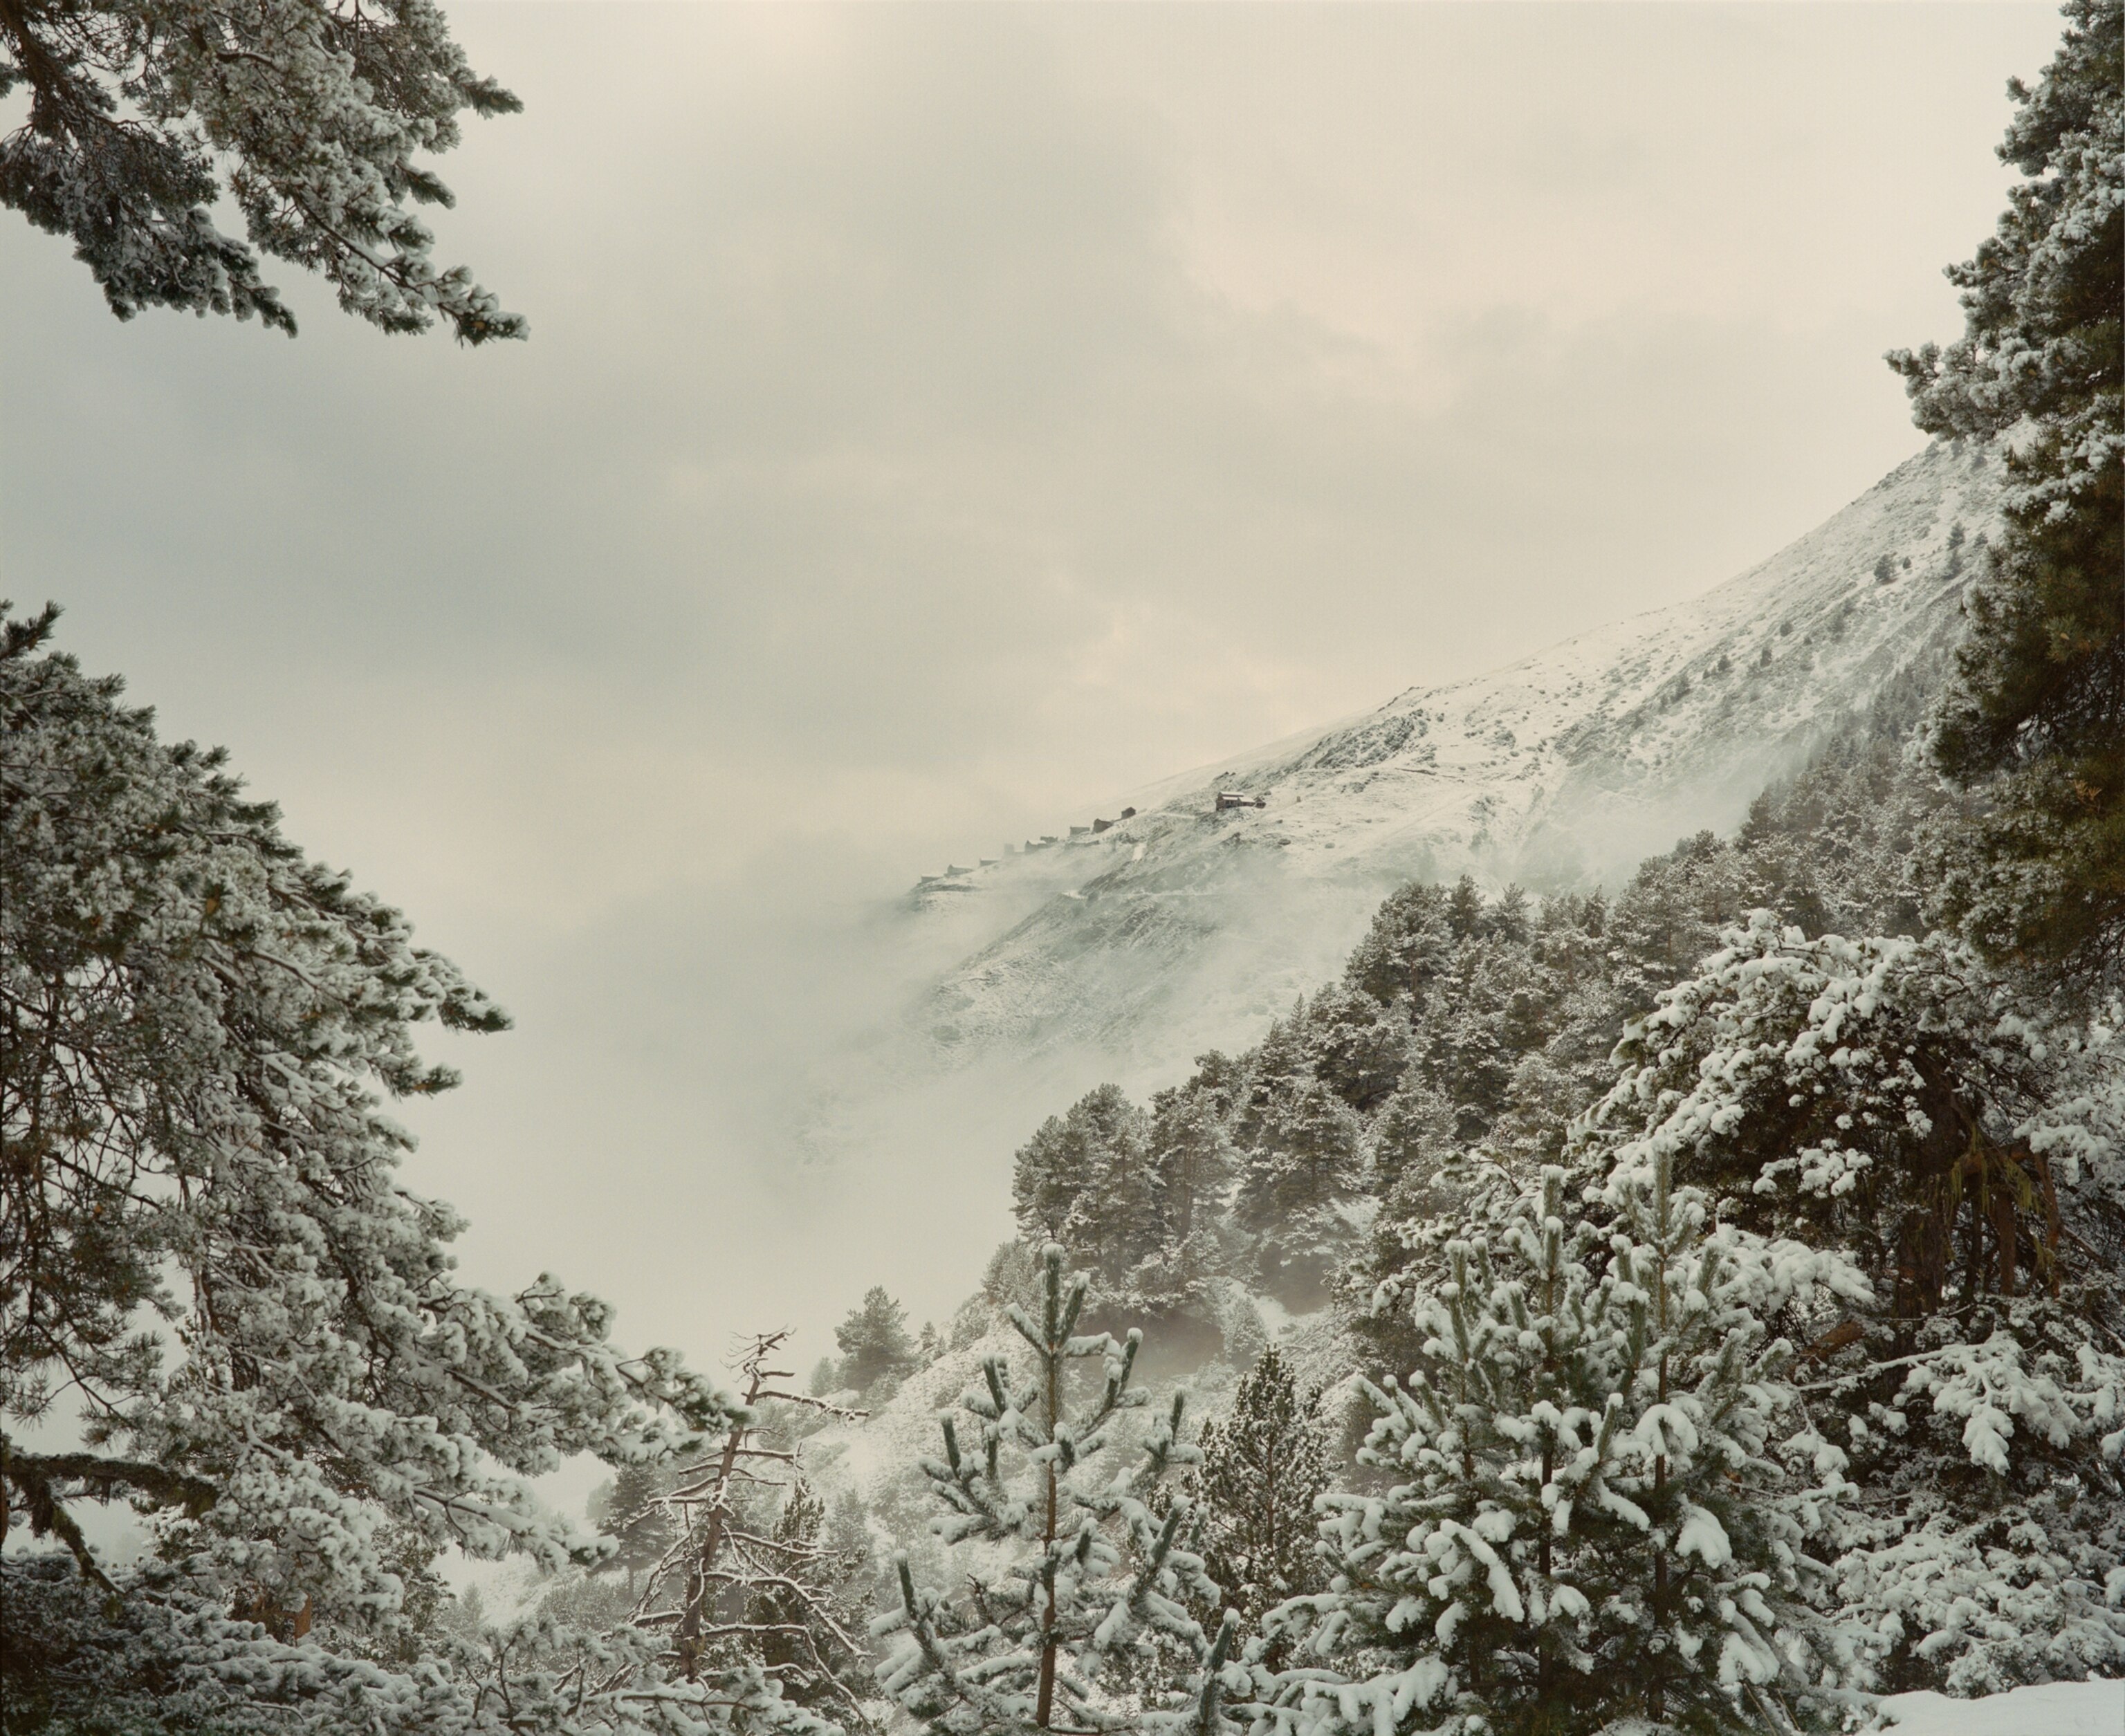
(1276, 1318)
(2091, 1708)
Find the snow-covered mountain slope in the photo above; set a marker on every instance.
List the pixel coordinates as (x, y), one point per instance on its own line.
(1186, 925)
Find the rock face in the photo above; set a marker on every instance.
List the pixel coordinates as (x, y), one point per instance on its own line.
(1188, 924)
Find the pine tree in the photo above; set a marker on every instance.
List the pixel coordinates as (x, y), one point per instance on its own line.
(1193, 1154)
(1606, 1490)
(1413, 1129)
(2035, 718)
(847, 1535)
(1464, 909)
(1358, 1049)
(1886, 1095)
(1891, 1103)
(1409, 934)
(1263, 1466)
(874, 1342)
(310, 119)
(196, 1025)
(1478, 1023)
(1301, 1168)
(1508, 918)
(1168, 1262)
(633, 1515)
(1087, 1573)
(1088, 1178)
(1119, 1219)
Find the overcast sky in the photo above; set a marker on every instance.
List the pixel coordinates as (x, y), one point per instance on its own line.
(935, 420)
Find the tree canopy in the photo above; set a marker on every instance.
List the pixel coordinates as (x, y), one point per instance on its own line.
(308, 114)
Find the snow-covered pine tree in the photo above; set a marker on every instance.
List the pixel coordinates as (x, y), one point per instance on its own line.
(1409, 1136)
(633, 1515)
(1484, 1009)
(1892, 1101)
(205, 1243)
(1464, 909)
(874, 1342)
(1608, 1491)
(1192, 1149)
(1263, 1466)
(2035, 718)
(1067, 1568)
(1409, 938)
(310, 117)
(1191, 1157)
(1300, 1168)
(1358, 1049)
(1087, 1178)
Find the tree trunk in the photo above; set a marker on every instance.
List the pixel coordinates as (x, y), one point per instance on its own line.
(712, 1546)
(1045, 1705)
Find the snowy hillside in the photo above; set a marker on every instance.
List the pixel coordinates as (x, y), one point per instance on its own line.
(1186, 925)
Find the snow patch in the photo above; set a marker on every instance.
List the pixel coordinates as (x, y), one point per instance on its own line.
(2091, 1708)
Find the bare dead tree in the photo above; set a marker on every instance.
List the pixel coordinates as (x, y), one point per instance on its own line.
(731, 1582)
